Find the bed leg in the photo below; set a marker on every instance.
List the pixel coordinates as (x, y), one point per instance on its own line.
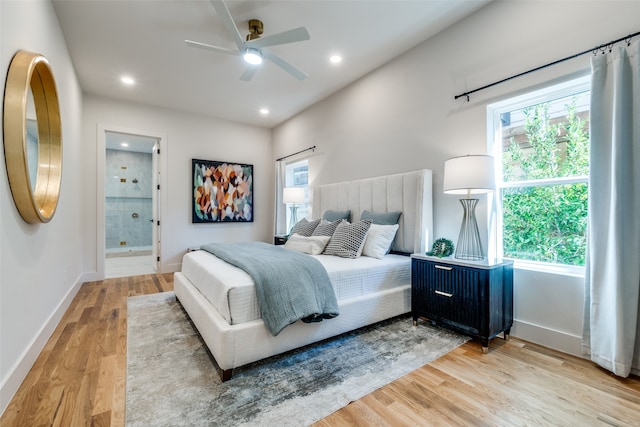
(225, 375)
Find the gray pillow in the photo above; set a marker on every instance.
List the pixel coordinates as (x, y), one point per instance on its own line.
(304, 227)
(326, 228)
(348, 239)
(332, 216)
(382, 218)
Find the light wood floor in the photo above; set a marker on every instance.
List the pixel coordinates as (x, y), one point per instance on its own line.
(79, 379)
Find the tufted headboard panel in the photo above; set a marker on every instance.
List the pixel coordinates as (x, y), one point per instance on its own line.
(409, 192)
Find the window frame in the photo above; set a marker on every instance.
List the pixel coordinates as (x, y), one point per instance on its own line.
(494, 141)
(289, 181)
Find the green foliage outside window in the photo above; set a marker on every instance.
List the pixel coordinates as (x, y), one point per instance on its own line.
(547, 222)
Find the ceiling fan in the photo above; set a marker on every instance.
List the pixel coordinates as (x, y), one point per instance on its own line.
(253, 49)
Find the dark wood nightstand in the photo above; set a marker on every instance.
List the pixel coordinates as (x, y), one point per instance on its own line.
(472, 297)
(280, 240)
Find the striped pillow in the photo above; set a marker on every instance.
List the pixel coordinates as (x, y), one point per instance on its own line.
(348, 239)
(304, 227)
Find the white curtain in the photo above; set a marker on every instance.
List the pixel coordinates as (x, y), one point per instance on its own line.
(612, 281)
(280, 208)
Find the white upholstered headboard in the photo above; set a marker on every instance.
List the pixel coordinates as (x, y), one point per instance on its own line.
(409, 192)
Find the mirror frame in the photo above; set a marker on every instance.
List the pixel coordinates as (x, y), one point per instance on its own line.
(28, 70)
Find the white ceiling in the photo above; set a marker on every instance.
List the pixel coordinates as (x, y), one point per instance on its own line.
(145, 40)
(137, 143)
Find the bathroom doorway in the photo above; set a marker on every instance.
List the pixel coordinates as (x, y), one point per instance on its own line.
(131, 204)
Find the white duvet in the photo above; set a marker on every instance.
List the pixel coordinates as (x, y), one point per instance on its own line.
(232, 292)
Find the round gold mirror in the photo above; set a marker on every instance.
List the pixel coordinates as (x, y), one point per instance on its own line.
(32, 137)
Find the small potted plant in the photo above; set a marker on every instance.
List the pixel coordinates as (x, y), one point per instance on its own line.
(441, 248)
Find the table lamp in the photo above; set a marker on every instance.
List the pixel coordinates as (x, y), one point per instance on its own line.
(470, 174)
(292, 196)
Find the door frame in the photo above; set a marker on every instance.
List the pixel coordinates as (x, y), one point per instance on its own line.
(161, 162)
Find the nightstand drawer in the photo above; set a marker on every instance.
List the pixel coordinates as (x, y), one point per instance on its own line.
(459, 281)
(450, 308)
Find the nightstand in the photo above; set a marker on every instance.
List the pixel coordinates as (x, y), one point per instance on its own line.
(471, 297)
(280, 240)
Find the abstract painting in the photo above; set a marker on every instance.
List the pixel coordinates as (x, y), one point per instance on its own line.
(222, 191)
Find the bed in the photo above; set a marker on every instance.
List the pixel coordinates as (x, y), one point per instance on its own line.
(220, 298)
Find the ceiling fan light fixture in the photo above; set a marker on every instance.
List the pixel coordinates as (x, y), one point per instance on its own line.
(255, 49)
(253, 56)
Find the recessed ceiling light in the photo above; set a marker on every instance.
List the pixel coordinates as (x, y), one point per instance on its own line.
(335, 59)
(127, 80)
(264, 111)
(124, 144)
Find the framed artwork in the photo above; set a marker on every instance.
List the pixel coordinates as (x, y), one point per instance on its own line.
(222, 191)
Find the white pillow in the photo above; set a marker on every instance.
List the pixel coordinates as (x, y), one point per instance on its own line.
(379, 239)
(312, 245)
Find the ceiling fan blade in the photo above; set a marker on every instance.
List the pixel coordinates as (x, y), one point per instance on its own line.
(212, 48)
(228, 22)
(295, 72)
(249, 72)
(296, 35)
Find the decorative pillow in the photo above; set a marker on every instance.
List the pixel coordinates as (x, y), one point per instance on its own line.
(336, 215)
(348, 239)
(379, 239)
(382, 218)
(326, 228)
(304, 227)
(312, 245)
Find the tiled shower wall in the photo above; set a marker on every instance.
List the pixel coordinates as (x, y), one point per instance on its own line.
(128, 190)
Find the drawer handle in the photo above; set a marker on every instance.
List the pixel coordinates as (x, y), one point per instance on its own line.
(442, 267)
(444, 294)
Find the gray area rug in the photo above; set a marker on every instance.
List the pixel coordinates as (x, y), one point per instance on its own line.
(172, 379)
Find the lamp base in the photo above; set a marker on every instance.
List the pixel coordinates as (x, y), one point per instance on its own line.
(294, 217)
(469, 246)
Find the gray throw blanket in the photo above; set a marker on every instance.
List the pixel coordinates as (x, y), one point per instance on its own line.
(290, 285)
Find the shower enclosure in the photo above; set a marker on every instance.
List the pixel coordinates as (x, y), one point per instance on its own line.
(128, 204)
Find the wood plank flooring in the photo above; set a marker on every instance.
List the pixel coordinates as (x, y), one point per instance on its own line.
(79, 379)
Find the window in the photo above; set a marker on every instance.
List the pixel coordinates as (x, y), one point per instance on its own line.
(297, 175)
(541, 146)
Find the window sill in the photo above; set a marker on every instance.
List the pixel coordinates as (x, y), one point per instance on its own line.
(543, 267)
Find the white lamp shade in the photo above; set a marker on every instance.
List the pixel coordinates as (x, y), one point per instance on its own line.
(471, 174)
(293, 195)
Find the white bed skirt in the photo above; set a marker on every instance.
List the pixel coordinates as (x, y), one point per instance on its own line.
(237, 345)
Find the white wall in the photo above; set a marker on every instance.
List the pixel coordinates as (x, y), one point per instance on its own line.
(188, 136)
(40, 265)
(403, 117)
(43, 266)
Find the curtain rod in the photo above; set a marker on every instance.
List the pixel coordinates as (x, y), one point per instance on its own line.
(291, 155)
(602, 48)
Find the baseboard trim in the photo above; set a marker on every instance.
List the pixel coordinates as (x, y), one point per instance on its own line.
(20, 369)
(172, 268)
(557, 340)
(90, 277)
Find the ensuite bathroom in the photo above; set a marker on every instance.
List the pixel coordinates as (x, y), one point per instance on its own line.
(128, 207)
